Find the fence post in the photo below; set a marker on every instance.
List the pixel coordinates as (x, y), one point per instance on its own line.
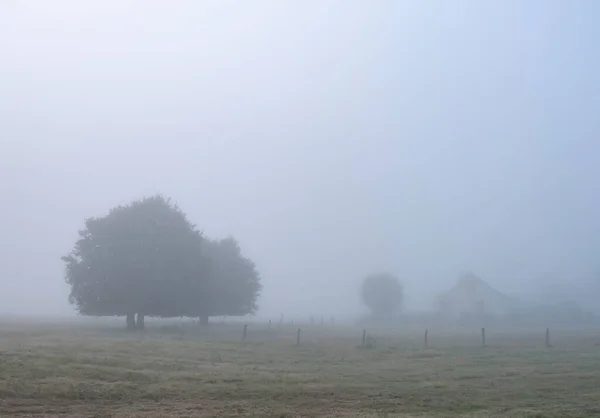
(483, 337)
(298, 337)
(426, 338)
(364, 338)
(548, 338)
(245, 332)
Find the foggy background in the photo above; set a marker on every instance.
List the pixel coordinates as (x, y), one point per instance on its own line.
(333, 139)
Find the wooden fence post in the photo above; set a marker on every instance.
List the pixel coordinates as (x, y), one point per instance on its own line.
(426, 338)
(245, 332)
(298, 337)
(483, 337)
(548, 338)
(364, 338)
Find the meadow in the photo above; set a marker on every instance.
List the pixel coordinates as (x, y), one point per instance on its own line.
(97, 369)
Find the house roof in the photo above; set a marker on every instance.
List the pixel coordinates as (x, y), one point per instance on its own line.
(471, 287)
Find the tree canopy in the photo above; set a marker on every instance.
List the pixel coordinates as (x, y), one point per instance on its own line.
(234, 281)
(382, 293)
(147, 258)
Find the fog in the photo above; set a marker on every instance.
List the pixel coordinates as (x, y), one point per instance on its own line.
(332, 139)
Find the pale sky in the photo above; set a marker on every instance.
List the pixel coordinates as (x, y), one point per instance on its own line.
(332, 138)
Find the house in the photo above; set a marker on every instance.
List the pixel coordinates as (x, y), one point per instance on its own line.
(472, 298)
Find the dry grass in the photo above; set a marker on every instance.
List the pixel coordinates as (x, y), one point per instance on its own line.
(81, 370)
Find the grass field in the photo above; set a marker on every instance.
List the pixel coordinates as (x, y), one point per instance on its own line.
(99, 370)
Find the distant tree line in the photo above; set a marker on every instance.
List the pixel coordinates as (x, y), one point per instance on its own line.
(148, 259)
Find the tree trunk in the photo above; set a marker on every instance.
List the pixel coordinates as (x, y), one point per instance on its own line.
(140, 321)
(131, 322)
(203, 319)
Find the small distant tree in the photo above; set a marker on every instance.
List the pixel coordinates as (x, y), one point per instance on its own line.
(382, 293)
(234, 281)
(143, 258)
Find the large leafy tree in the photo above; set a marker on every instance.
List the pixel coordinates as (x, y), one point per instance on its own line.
(144, 258)
(382, 293)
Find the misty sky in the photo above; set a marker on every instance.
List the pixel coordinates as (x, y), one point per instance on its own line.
(332, 138)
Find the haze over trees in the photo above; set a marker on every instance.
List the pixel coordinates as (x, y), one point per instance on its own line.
(382, 293)
(148, 259)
